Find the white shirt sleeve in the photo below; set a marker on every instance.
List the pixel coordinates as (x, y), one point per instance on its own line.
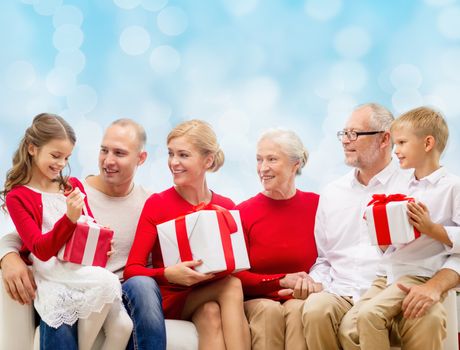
(320, 271)
(10, 242)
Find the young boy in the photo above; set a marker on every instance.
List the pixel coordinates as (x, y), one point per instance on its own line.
(420, 137)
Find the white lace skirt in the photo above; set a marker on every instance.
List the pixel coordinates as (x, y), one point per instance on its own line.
(67, 291)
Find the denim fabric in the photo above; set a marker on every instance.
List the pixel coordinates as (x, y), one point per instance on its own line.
(63, 337)
(142, 300)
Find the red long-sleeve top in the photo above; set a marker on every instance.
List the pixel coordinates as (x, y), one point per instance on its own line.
(26, 210)
(159, 208)
(280, 240)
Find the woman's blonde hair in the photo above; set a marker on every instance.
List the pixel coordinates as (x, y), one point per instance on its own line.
(45, 127)
(201, 135)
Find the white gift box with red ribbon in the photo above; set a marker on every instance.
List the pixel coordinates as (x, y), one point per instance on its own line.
(387, 220)
(213, 236)
(89, 244)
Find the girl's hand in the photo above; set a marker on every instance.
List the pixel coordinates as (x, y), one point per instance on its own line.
(183, 274)
(75, 203)
(112, 249)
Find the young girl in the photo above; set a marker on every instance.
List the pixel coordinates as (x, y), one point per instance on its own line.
(45, 216)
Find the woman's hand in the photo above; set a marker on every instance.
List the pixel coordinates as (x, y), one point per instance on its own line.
(75, 203)
(290, 280)
(183, 274)
(112, 249)
(303, 287)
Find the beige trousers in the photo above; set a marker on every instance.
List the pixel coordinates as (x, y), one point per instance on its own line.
(376, 321)
(275, 326)
(321, 316)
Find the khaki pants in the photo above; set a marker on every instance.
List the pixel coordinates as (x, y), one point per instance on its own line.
(376, 321)
(275, 326)
(321, 316)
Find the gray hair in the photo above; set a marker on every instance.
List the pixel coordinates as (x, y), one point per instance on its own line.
(289, 143)
(380, 119)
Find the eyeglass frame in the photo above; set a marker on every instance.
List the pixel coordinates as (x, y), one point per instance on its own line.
(342, 133)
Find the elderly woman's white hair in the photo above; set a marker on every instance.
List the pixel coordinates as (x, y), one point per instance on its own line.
(289, 143)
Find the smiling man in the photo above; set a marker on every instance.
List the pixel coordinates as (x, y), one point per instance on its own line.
(116, 201)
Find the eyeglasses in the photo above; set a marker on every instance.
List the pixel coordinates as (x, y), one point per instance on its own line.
(353, 135)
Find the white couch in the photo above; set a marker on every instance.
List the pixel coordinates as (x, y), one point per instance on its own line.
(18, 332)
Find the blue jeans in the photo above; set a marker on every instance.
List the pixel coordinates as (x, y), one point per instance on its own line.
(142, 300)
(63, 337)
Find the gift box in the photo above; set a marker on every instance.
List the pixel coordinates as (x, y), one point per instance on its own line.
(89, 244)
(214, 236)
(387, 220)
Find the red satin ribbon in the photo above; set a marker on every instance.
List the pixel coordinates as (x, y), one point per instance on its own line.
(379, 202)
(227, 226)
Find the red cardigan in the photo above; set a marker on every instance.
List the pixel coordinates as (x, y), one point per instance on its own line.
(280, 240)
(26, 210)
(159, 208)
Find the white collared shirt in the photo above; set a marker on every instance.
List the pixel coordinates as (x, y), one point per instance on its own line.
(347, 263)
(440, 192)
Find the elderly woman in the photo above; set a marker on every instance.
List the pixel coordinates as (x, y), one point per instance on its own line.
(278, 224)
(215, 307)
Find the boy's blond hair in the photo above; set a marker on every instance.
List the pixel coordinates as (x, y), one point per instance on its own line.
(425, 121)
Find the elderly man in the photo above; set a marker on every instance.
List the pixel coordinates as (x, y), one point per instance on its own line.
(115, 202)
(347, 263)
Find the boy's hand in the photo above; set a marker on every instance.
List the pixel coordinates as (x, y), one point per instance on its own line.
(419, 217)
(419, 299)
(75, 203)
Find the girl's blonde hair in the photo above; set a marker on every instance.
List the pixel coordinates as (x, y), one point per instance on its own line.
(201, 135)
(45, 127)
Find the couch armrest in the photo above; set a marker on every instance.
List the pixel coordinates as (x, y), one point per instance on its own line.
(17, 322)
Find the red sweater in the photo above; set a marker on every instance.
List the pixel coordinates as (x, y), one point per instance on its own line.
(159, 208)
(26, 210)
(280, 240)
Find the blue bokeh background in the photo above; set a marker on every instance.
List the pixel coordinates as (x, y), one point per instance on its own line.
(242, 65)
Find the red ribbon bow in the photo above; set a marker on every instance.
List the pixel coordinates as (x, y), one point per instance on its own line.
(227, 226)
(379, 202)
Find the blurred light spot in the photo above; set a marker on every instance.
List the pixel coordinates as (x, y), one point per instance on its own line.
(127, 4)
(406, 76)
(46, 7)
(241, 7)
(73, 61)
(172, 21)
(350, 76)
(67, 38)
(30, 2)
(60, 81)
(450, 63)
(165, 59)
(449, 22)
(384, 81)
(67, 14)
(40, 102)
(406, 99)
(338, 110)
(154, 5)
(439, 3)
(448, 97)
(20, 75)
(261, 93)
(82, 99)
(323, 9)
(352, 42)
(134, 40)
(234, 122)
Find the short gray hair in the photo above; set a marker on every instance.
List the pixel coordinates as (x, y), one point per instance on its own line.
(290, 144)
(381, 117)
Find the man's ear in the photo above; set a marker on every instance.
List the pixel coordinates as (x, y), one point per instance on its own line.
(142, 157)
(430, 143)
(386, 139)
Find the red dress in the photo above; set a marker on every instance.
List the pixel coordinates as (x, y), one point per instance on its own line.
(280, 240)
(159, 208)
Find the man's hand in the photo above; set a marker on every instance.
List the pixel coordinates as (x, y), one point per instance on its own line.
(289, 281)
(303, 287)
(18, 279)
(419, 299)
